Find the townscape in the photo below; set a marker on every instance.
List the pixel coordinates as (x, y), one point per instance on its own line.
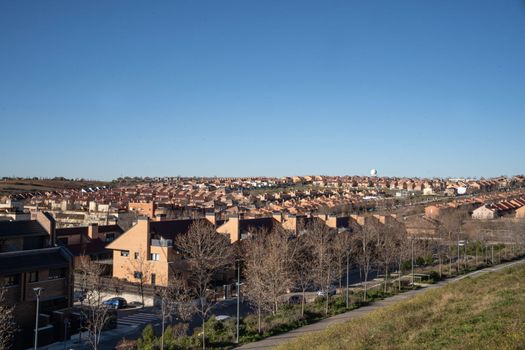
(106, 264)
(262, 175)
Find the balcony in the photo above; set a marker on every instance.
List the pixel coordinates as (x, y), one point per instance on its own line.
(162, 243)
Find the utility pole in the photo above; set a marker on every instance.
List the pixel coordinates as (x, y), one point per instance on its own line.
(347, 276)
(465, 253)
(412, 254)
(238, 299)
(37, 291)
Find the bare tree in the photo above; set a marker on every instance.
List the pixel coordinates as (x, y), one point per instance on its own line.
(302, 267)
(268, 268)
(320, 240)
(96, 315)
(387, 242)
(7, 322)
(255, 274)
(175, 298)
(278, 259)
(206, 253)
(403, 250)
(342, 249)
(364, 248)
(451, 222)
(140, 267)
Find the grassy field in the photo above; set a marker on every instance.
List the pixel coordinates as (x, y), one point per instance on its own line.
(487, 312)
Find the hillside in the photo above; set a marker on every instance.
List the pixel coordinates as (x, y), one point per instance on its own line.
(487, 312)
(14, 186)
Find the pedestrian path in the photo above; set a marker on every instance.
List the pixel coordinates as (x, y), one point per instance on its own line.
(138, 319)
(276, 340)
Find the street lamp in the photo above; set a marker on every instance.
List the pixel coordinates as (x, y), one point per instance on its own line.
(347, 275)
(37, 291)
(238, 299)
(462, 243)
(412, 257)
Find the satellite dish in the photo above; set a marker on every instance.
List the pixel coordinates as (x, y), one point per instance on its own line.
(373, 172)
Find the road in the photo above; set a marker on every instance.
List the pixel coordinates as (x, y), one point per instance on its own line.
(132, 322)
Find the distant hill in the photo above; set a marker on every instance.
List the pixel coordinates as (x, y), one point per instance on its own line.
(14, 186)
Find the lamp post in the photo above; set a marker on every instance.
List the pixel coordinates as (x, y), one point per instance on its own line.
(347, 275)
(457, 262)
(37, 291)
(412, 255)
(238, 299)
(462, 243)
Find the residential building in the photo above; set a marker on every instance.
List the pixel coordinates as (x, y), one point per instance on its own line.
(147, 250)
(29, 259)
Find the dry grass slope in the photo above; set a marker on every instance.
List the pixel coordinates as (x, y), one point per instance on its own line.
(482, 313)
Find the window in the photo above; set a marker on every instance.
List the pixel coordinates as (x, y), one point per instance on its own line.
(137, 274)
(137, 255)
(33, 276)
(56, 273)
(124, 253)
(110, 237)
(10, 280)
(155, 256)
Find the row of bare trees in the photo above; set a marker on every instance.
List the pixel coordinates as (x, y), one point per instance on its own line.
(318, 256)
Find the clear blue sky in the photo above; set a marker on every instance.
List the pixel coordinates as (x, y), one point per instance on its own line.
(100, 89)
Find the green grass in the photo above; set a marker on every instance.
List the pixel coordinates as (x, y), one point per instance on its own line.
(487, 312)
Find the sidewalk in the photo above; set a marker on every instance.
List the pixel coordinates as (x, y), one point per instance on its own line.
(276, 340)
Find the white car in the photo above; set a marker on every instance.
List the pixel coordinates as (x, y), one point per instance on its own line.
(323, 292)
(222, 317)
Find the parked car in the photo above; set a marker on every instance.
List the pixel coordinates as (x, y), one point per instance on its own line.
(116, 303)
(330, 291)
(295, 299)
(79, 296)
(222, 317)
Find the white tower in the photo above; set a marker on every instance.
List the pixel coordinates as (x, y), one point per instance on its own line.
(373, 172)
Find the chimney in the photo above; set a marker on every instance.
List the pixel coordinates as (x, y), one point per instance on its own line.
(93, 231)
(210, 216)
(277, 215)
(359, 219)
(290, 223)
(160, 217)
(48, 223)
(331, 221)
(233, 227)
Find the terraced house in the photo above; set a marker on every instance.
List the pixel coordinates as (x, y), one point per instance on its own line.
(29, 260)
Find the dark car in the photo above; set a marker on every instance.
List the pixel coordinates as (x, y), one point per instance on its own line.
(116, 303)
(295, 299)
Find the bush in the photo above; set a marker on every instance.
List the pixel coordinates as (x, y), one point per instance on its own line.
(148, 340)
(220, 331)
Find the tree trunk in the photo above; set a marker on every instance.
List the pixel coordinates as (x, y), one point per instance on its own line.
(399, 277)
(440, 267)
(302, 303)
(203, 336)
(259, 318)
(364, 292)
(386, 278)
(326, 303)
(162, 334)
(142, 292)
